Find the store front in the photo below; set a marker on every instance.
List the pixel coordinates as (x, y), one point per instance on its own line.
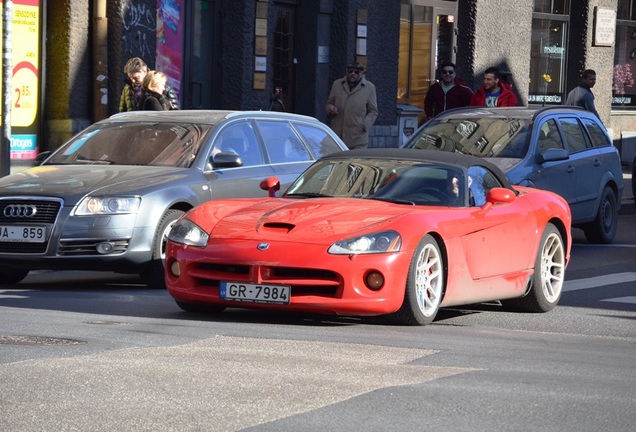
(427, 39)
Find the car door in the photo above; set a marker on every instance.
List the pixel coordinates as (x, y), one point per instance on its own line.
(557, 176)
(588, 169)
(503, 244)
(239, 182)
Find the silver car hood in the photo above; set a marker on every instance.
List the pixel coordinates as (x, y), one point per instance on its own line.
(72, 182)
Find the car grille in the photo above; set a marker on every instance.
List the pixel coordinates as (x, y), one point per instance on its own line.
(89, 246)
(47, 211)
(303, 281)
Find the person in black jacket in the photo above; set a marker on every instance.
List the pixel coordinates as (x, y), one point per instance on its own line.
(136, 70)
(152, 95)
(449, 92)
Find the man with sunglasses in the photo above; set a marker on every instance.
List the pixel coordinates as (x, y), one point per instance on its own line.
(449, 92)
(352, 106)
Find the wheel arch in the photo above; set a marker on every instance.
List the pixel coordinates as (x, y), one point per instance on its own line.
(563, 231)
(443, 250)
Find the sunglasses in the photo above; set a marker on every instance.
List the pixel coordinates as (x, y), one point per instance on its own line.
(448, 72)
(355, 71)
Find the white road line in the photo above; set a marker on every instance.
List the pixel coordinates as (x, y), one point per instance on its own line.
(613, 245)
(631, 300)
(611, 279)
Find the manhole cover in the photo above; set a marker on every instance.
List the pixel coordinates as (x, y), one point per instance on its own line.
(37, 340)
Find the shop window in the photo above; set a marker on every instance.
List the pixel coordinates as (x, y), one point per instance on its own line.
(427, 38)
(548, 54)
(414, 59)
(552, 6)
(623, 89)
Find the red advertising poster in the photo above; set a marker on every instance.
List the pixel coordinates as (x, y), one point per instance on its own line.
(169, 56)
(25, 81)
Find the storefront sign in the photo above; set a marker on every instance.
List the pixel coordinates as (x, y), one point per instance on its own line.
(604, 27)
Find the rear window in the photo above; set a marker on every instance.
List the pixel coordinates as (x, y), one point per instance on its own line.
(598, 136)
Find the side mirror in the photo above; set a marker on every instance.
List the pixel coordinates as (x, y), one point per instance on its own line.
(225, 160)
(552, 155)
(498, 195)
(271, 185)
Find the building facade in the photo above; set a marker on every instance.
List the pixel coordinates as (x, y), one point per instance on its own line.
(234, 54)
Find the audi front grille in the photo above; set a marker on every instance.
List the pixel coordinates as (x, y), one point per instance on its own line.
(28, 211)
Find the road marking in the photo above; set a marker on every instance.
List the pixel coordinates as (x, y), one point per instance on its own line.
(631, 300)
(598, 281)
(12, 294)
(613, 245)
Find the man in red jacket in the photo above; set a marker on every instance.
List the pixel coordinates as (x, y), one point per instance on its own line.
(493, 93)
(449, 92)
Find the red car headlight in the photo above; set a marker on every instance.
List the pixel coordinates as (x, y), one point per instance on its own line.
(378, 242)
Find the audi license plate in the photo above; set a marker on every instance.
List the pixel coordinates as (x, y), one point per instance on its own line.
(244, 292)
(18, 233)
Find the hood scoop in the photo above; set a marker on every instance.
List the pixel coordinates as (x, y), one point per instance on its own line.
(277, 227)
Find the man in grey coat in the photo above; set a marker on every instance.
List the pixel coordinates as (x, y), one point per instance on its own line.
(582, 94)
(353, 107)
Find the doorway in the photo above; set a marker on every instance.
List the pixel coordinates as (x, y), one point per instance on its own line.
(201, 68)
(427, 38)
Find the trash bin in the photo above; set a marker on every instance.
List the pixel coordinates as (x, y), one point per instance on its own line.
(407, 122)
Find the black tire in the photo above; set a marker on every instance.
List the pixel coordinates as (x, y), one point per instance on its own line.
(153, 272)
(200, 307)
(424, 285)
(603, 229)
(9, 276)
(549, 273)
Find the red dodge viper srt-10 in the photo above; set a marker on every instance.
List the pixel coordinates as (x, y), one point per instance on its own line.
(392, 232)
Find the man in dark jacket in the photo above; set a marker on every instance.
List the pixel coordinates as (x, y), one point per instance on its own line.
(449, 92)
(494, 92)
(582, 94)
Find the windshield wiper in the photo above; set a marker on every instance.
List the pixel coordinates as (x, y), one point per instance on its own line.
(308, 195)
(392, 200)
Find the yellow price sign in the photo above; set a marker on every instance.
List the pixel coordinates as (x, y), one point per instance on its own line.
(25, 77)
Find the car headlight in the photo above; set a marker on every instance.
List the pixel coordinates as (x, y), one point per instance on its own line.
(186, 232)
(109, 205)
(379, 242)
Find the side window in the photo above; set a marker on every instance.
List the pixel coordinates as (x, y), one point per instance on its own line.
(549, 137)
(239, 138)
(319, 141)
(282, 143)
(574, 135)
(480, 181)
(599, 137)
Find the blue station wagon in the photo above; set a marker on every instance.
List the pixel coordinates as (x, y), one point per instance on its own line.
(563, 149)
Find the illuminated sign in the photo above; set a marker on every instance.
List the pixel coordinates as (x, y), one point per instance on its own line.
(25, 81)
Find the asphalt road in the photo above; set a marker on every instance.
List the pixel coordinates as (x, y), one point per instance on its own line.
(91, 352)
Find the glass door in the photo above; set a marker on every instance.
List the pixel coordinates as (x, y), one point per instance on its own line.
(202, 74)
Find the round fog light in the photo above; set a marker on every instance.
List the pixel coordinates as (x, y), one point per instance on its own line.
(374, 280)
(175, 269)
(104, 248)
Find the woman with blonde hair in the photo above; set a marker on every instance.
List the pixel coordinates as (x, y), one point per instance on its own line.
(152, 98)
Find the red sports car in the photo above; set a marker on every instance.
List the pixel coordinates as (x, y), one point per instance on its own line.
(375, 232)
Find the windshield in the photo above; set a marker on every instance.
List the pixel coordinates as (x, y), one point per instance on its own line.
(407, 182)
(138, 143)
(480, 136)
